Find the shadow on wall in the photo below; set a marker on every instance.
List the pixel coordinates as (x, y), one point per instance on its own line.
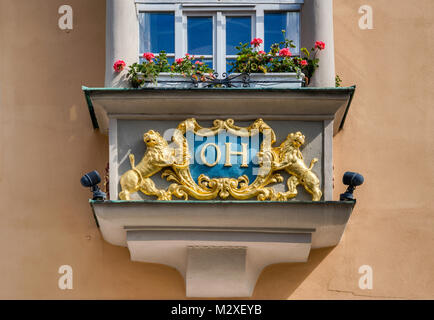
(276, 282)
(279, 281)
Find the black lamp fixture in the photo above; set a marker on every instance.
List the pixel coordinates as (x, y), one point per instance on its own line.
(352, 180)
(91, 180)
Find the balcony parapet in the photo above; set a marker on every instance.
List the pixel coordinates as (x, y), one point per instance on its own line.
(305, 103)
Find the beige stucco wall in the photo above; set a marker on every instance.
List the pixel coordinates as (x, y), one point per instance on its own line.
(47, 143)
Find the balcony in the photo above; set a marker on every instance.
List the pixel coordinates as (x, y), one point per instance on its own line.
(220, 243)
(246, 103)
(220, 246)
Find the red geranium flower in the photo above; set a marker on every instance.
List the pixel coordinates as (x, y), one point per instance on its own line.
(149, 56)
(285, 52)
(320, 45)
(262, 52)
(179, 61)
(303, 63)
(119, 65)
(199, 62)
(256, 42)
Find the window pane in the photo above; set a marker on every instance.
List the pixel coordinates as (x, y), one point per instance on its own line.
(157, 32)
(199, 34)
(276, 22)
(238, 29)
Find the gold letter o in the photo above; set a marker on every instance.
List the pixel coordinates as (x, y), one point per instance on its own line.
(202, 154)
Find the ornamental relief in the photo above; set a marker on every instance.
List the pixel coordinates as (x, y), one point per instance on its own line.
(220, 162)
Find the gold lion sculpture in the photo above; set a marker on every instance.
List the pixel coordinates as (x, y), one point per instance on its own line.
(290, 159)
(158, 155)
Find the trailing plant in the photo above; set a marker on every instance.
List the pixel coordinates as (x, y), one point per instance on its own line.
(250, 59)
(279, 59)
(152, 66)
(190, 66)
(149, 69)
(338, 81)
(311, 59)
(282, 60)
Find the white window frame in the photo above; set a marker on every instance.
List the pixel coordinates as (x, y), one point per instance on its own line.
(253, 18)
(169, 55)
(215, 43)
(184, 8)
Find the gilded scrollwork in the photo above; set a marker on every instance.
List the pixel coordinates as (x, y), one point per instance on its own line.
(176, 164)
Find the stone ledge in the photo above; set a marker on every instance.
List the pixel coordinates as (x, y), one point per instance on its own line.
(307, 104)
(237, 238)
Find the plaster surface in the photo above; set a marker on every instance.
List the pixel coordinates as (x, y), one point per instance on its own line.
(47, 141)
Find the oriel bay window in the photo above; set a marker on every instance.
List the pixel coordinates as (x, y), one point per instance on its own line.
(216, 216)
(214, 31)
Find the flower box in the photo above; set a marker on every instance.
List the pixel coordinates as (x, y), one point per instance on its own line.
(169, 80)
(254, 80)
(270, 80)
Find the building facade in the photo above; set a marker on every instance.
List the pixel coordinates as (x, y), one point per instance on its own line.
(47, 219)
